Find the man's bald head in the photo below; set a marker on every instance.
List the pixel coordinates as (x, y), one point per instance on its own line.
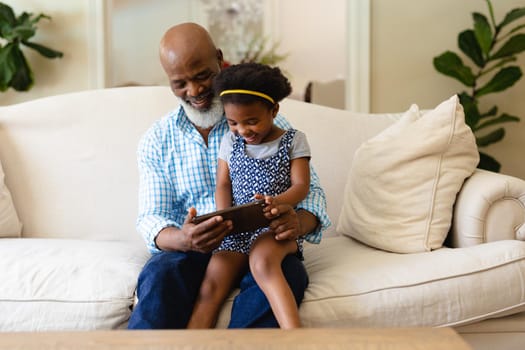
(184, 43)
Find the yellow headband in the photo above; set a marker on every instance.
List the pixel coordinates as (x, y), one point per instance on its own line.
(247, 92)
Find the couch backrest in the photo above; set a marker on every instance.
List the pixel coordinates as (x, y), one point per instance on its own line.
(334, 135)
(70, 160)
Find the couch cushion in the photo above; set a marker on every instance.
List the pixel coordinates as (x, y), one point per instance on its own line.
(9, 224)
(403, 182)
(354, 285)
(357, 285)
(59, 284)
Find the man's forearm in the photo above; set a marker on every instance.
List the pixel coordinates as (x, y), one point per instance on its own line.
(169, 239)
(308, 221)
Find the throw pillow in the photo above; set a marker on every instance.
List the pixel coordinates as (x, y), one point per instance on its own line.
(9, 224)
(403, 182)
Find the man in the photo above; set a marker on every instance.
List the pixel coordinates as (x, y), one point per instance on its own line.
(177, 162)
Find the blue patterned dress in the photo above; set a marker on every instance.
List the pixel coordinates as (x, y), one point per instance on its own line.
(248, 175)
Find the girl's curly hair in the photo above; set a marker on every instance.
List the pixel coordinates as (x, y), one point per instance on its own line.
(255, 77)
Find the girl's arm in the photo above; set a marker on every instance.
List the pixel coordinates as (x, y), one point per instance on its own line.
(223, 191)
(300, 179)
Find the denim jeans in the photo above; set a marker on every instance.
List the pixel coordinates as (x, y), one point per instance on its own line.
(169, 283)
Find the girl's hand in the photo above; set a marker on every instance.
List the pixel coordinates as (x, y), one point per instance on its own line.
(270, 210)
(284, 220)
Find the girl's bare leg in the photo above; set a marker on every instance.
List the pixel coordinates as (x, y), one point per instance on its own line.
(265, 259)
(223, 271)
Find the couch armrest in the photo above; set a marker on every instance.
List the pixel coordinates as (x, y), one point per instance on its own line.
(489, 207)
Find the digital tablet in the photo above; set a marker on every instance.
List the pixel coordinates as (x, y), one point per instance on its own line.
(245, 217)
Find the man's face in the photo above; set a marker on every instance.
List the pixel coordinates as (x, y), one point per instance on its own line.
(191, 79)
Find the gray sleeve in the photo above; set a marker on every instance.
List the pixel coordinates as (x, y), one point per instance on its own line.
(226, 146)
(300, 147)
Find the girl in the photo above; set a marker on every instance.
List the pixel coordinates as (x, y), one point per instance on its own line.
(257, 160)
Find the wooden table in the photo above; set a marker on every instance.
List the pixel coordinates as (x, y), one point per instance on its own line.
(253, 339)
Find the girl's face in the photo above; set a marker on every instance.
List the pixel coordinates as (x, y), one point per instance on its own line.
(253, 122)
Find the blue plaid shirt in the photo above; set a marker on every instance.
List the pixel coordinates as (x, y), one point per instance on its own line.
(177, 171)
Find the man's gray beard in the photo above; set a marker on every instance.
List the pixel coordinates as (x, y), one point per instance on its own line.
(204, 119)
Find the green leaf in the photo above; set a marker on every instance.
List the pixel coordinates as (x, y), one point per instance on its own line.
(7, 16)
(514, 45)
(500, 63)
(515, 29)
(7, 65)
(472, 115)
(504, 79)
(43, 50)
(483, 32)
(39, 17)
(512, 16)
(450, 64)
(21, 28)
(5, 30)
(23, 78)
(469, 46)
(24, 19)
(491, 12)
(490, 138)
(14, 70)
(23, 32)
(488, 163)
(492, 112)
(504, 118)
(29, 19)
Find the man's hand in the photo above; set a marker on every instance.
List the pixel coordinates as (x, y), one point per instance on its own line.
(285, 222)
(207, 235)
(203, 237)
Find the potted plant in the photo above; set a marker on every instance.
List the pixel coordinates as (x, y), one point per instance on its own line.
(15, 32)
(492, 48)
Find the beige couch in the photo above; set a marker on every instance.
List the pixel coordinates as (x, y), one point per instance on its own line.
(70, 167)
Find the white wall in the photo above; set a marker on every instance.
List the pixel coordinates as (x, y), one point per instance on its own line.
(314, 54)
(136, 27)
(313, 35)
(407, 35)
(313, 32)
